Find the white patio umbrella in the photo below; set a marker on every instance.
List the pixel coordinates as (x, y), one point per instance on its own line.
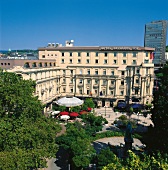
(64, 117)
(69, 101)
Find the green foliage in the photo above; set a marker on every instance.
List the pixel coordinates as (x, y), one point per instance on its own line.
(88, 103)
(105, 157)
(167, 48)
(83, 152)
(62, 108)
(93, 123)
(16, 97)
(136, 162)
(78, 144)
(123, 117)
(27, 137)
(160, 114)
(75, 109)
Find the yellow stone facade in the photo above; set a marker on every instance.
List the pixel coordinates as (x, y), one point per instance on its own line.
(107, 74)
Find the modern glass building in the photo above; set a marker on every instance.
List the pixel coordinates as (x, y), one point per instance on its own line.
(155, 37)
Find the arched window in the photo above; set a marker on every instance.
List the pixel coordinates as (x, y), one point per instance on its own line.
(45, 64)
(40, 64)
(50, 64)
(34, 65)
(26, 65)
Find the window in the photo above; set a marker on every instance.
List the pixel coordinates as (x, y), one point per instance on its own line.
(115, 54)
(70, 54)
(124, 54)
(64, 71)
(45, 64)
(137, 71)
(97, 54)
(63, 54)
(62, 60)
(146, 61)
(122, 73)
(79, 60)
(8, 63)
(122, 82)
(112, 82)
(96, 81)
(71, 90)
(80, 81)
(63, 90)
(43, 56)
(147, 71)
(121, 93)
(146, 54)
(136, 90)
(80, 91)
(70, 61)
(88, 71)
(48, 55)
(80, 72)
(105, 54)
(104, 72)
(124, 62)
(71, 81)
(115, 62)
(112, 92)
(137, 81)
(112, 73)
(88, 92)
(51, 54)
(71, 71)
(96, 61)
(134, 62)
(104, 82)
(134, 54)
(105, 61)
(87, 54)
(87, 61)
(79, 54)
(95, 91)
(88, 81)
(64, 81)
(96, 72)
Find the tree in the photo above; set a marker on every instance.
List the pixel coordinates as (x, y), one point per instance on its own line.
(167, 48)
(88, 103)
(105, 157)
(27, 137)
(159, 112)
(139, 162)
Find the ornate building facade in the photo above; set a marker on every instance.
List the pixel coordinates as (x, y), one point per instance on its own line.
(107, 74)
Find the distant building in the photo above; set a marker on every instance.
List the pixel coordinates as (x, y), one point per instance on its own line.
(155, 37)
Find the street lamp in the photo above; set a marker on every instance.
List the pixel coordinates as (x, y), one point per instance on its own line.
(105, 109)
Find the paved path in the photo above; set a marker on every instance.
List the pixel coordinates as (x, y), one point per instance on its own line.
(110, 115)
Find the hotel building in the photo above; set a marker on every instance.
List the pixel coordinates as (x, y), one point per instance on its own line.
(105, 73)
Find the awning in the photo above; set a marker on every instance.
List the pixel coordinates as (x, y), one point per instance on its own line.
(73, 114)
(64, 113)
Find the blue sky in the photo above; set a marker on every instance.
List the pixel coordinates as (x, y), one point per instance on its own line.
(29, 24)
